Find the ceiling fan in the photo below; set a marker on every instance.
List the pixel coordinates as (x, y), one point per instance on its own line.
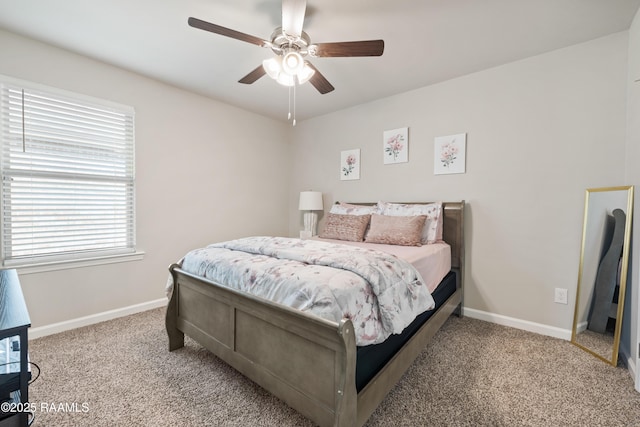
(291, 45)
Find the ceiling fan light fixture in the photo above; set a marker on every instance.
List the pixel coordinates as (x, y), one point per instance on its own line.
(306, 73)
(292, 63)
(286, 80)
(275, 68)
(272, 67)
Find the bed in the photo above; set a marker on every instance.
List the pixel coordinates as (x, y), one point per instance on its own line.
(311, 363)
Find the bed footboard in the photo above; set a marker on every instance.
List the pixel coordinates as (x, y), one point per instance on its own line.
(307, 362)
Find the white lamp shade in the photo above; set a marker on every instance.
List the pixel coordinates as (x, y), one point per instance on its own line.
(310, 201)
(272, 66)
(306, 73)
(292, 63)
(285, 79)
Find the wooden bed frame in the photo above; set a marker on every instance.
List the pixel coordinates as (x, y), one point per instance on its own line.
(308, 362)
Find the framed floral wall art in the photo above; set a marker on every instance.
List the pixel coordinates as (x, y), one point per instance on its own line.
(395, 144)
(350, 164)
(449, 154)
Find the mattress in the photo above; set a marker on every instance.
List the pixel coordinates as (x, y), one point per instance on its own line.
(370, 359)
(432, 261)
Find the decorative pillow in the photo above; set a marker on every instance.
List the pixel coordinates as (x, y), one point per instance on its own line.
(396, 230)
(345, 227)
(433, 226)
(349, 209)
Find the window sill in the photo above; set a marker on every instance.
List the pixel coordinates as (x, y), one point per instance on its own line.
(77, 263)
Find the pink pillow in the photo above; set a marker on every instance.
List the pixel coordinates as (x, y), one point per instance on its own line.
(396, 230)
(345, 227)
(433, 225)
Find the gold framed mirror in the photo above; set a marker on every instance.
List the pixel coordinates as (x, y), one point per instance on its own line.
(602, 274)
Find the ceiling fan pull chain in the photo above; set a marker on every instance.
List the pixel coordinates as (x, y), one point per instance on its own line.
(289, 115)
(294, 102)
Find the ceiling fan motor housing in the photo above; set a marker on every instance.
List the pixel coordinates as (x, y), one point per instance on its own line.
(282, 42)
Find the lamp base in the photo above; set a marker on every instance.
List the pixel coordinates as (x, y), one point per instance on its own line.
(310, 222)
(305, 234)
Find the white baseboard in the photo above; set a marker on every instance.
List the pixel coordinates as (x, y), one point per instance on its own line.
(55, 328)
(630, 363)
(525, 325)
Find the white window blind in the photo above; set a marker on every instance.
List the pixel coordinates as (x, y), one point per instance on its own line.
(67, 166)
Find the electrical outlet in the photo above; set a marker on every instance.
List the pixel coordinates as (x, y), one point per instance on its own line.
(561, 296)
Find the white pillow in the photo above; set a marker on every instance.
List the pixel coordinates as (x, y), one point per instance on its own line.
(432, 231)
(349, 209)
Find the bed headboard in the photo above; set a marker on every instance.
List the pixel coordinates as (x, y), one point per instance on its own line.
(453, 232)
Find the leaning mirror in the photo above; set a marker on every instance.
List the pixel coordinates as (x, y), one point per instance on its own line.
(602, 274)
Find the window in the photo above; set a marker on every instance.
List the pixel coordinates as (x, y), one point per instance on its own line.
(67, 168)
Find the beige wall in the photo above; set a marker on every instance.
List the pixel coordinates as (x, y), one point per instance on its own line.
(202, 175)
(539, 132)
(632, 329)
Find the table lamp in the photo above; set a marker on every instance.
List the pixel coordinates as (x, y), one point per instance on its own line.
(310, 201)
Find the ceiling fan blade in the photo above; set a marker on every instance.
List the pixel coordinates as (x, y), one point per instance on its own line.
(217, 29)
(359, 48)
(253, 75)
(293, 16)
(319, 81)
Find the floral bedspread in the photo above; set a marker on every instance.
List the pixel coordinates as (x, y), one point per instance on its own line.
(379, 292)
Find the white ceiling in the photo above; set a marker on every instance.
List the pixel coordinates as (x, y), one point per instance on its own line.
(426, 41)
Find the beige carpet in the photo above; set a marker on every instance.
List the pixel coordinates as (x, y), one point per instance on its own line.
(119, 373)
